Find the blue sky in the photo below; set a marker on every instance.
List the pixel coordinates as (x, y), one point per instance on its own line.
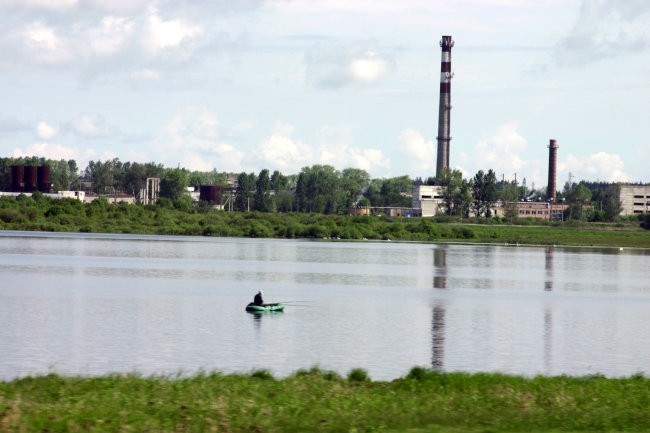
(243, 85)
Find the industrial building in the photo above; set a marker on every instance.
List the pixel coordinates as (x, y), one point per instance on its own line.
(427, 200)
(635, 199)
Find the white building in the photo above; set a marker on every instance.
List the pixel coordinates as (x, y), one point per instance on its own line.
(635, 199)
(427, 200)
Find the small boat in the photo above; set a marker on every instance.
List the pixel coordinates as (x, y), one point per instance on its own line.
(264, 307)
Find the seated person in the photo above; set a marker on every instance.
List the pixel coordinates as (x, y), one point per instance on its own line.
(258, 300)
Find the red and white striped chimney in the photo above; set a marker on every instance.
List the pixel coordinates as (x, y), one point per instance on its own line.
(445, 106)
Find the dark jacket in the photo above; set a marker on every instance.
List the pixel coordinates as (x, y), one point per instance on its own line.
(258, 299)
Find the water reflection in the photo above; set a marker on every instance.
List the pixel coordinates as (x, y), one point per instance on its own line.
(548, 265)
(548, 341)
(438, 336)
(440, 267)
(438, 319)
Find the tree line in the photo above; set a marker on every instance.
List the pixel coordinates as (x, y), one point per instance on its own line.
(321, 188)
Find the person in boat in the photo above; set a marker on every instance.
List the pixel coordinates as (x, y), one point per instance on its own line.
(258, 300)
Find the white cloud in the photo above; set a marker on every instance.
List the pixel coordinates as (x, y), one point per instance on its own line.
(337, 66)
(422, 152)
(117, 6)
(368, 68)
(45, 131)
(44, 44)
(282, 152)
(605, 28)
(505, 152)
(111, 36)
(289, 155)
(146, 74)
(192, 140)
(164, 35)
(48, 151)
(600, 166)
(53, 5)
(502, 149)
(91, 127)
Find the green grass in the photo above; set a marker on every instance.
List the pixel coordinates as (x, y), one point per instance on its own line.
(321, 401)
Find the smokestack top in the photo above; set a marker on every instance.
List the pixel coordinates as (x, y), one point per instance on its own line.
(553, 144)
(446, 43)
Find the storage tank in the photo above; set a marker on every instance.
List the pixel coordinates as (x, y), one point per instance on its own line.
(44, 184)
(30, 178)
(211, 193)
(17, 178)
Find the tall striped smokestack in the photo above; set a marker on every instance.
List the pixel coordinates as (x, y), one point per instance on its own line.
(445, 106)
(551, 189)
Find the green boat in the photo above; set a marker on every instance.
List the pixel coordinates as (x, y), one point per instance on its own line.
(264, 307)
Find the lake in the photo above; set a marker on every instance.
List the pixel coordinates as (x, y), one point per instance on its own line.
(92, 304)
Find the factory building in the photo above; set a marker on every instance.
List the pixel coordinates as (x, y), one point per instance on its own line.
(635, 199)
(427, 200)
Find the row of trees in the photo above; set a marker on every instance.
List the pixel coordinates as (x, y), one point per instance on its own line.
(323, 189)
(319, 189)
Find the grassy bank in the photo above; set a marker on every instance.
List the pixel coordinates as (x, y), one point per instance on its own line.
(318, 401)
(68, 215)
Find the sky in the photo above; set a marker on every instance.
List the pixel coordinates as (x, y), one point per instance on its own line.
(246, 85)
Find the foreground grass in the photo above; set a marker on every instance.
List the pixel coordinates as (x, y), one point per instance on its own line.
(318, 401)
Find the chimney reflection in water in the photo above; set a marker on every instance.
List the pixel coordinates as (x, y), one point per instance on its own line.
(548, 265)
(548, 314)
(439, 311)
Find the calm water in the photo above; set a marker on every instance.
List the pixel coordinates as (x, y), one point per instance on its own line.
(96, 304)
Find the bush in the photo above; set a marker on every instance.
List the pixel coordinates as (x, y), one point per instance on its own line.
(8, 215)
(418, 373)
(358, 375)
(262, 374)
(645, 220)
(462, 232)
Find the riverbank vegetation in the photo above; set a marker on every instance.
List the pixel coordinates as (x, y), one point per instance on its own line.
(180, 217)
(318, 189)
(321, 401)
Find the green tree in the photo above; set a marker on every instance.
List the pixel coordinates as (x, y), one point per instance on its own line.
(102, 175)
(396, 191)
(282, 186)
(244, 191)
(373, 192)
(64, 175)
(279, 182)
(456, 193)
(578, 196)
(510, 200)
(317, 189)
(262, 198)
(173, 184)
(354, 182)
(484, 193)
(611, 203)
